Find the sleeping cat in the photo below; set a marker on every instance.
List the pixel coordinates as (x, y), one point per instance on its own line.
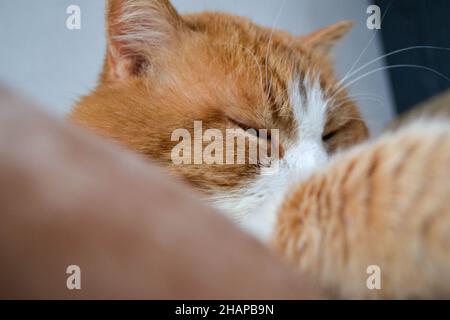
(164, 72)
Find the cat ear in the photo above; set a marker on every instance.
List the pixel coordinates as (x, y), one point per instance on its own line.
(324, 39)
(135, 30)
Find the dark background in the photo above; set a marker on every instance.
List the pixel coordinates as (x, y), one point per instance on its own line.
(416, 23)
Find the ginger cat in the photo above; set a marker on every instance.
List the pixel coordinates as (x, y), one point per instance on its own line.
(163, 72)
(384, 203)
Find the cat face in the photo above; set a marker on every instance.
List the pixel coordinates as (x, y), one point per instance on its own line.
(163, 72)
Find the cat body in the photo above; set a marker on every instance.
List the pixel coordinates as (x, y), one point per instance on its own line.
(384, 204)
(165, 72)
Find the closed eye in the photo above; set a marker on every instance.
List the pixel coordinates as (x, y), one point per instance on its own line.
(330, 135)
(250, 129)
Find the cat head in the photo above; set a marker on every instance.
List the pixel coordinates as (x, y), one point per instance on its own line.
(165, 73)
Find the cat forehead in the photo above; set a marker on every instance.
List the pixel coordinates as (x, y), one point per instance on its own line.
(261, 61)
(290, 101)
(236, 39)
(310, 105)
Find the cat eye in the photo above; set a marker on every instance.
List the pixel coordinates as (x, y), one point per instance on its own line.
(330, 135)
(250, 129)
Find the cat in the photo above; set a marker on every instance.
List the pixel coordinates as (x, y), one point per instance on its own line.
(385, 204)
(164, 71)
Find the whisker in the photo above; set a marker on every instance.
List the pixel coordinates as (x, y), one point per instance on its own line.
(271, 34)
(392, 53)
(359, 96)
(340, 89)
(349, 73)
(360, 99)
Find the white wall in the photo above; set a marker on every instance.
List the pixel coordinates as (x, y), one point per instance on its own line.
(55, 65)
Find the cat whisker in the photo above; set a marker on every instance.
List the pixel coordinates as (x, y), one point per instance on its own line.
(390, 54)
(349, 73)
(271, 35)
(341, 88)
(360, 96)
(366, 99)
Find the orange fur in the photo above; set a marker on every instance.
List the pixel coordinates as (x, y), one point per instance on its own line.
(163, 71)
(218, 68)
(386, 204)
